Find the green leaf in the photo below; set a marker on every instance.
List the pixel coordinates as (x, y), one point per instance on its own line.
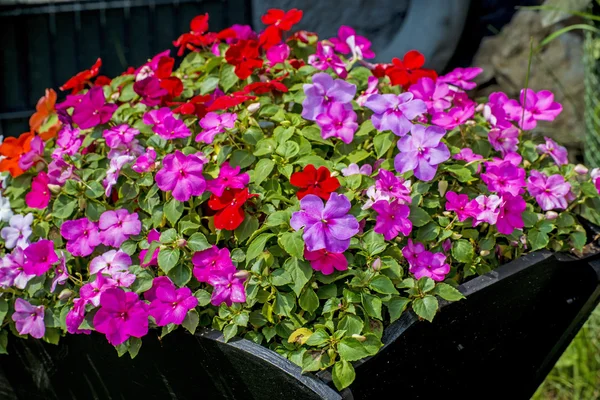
(288, 149)
(372, 305)
(352, 349)
(447, 292)
(203, 297)
(530, 219)
(198, 242)
(209, 84)
(418, 216)
(134, 346)
(319, 337)
(3, 310)
(242, 159)
(461, 173)
(374, 243)
(180, 275)
(279, 218)
(538, 239)
(265, 146)
(425, 284)
(280, 277)
(167, 259)
(191, 320)
(309, 301)
(263, 170)
(382, 143)
(383, 284)
(293, 244)
(3, 342)
(148, 257)
(284, 303)
(246, 228)
(227, 78)
(173, 211)
(428, 232)
(313, 360)
(94, 190)
(565, 220)
(352, 324)
(300, 271)
(63, 207)
(343, 374)
(396, 307)
(578, 239)
(168, 236)
(462, 251)
(313, 133)
(257, 246)
(426, 307)
(229, 332)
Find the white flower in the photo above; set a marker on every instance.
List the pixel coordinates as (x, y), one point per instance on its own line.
(5, 211)
(17, 234)
(374, 195)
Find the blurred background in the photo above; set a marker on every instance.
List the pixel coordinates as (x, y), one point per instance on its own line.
(45, 42)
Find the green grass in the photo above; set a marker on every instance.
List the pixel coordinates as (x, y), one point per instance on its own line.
(576, 375)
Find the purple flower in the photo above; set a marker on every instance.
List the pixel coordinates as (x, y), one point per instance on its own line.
(338, 121)
(146, 162)
(422, 152)
(411, 252)
(121, 316)
(149, 90)
(93, 109)
(353, 169)
(113, 172)
(460, 204)
(558, 153)
(392, 219)
(75, 317)
(214, 124)
(68, 142)
(40, 256)
(82, 235)
(393, 186)
(229, 178)
(325, 57)
(181, 174)
(485, 209)
(117, 226)
(119, 135)
(372, 83)
(29, 319)
(461, 77)
(110, 262)
(433, 93)
(323, 92)
(394, 112)
(153, 236)
(504, 140)
(347, 41)
(61, 273)
(431, 265)
(34, 155)
(278, 54)
(227, 288)
(328, 227)
(453, 118)
(18, 231)
(91, 291)
(534, 107)
(504, 177)
(550, 192)
(171, 305)
(511, 214)
(59, 172)
(210, 262)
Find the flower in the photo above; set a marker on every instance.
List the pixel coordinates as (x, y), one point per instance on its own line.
(44, 111)
(432, 93)
(393, 186)
(326, 262)
(113, 172)
(392, 219)
(213, 124)
(431, 265)
(121, 316)
(29, 319)
(485, 209)
(75, 317)
(229, 178)
(325, 58)
(6, 212)
(394, 112)
(278, 21)
(91, 291)
(171, 128)
(454, 117)
(460, 204)
(504, 140)
(411, 252)
(39, 257)
(550, 192)
(227, 288)
(511, 214)
(61, 273)
(39, 197)
(18, 231)
(278, 54)
(211, 261)
(68, 142)
(372, 82)
(347, 41)
(59, 172)
(244, 56)
(153, 236)
(93, 109)
(353, 169)
(323, 92)
(229, 208)
(34, 155)
(409, 70)
(422, 152)
(461, 77)
(558, 153)
(373, 195)
(182, 175)
(11, 150)
(504, 177)
(110, 262)
(533, 107)
(150, 90)
(82, 235)
(328, 226)
(78, 82)
(145, 162)
(116, 227)
(159, 281)
(195, 38)
(338, 121)
(120, 134)
(171, 305)
(314, 181)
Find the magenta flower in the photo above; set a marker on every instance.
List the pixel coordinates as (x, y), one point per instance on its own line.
(493, 110)
(229, 178)
(182, 175)
(12, 271)
(150, 91)
(354, 169)
(372, 82)
(558, 153)
(347, 41)
(34, 155)
(504, 178)
(39, 197)
(214, 124)
(394, 112)
(59, 172)
(278, 54)
(326, 262)
(460, 204)
(122, 279)
(172, 128)
(121, 316)
(393, 186)
(117, 226)
(550, 192)
(411, 252)
(171, 305)
(328, 226)
(461, 77)
(110, 262)
(325, 58)
(433, 93)
(159, 281)
(534, 107)
(431, 265)
(323, 92)
(119, 135)
(338, 121)
(454, 117)
(156, 117)
(82, 235)
(210, 262)
(40, 256)
(511, 214)
(113, 172)
(75, 317)
(422, 152)
(392, 219)
(68, 142)
(153, 236)
(93, 109)
(485, 209)
(18, 231)
(29, 319)
(468, 156)
(226, 288)
(595, 176)
(150, 68)
(146, 162)
(91, 291)
(504, 140)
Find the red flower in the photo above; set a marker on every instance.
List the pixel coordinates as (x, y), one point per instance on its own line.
(379, 70)
(102, 81)
(78, 82)
(279, 21)
(314, 181)
(245, 57)
(266, 87)
(196, 37)
(194, 106)
(228, 101)
(408, 71)
(229, 208)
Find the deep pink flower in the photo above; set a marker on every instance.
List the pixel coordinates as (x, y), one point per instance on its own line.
(278, 54)
(454, 117)
(504, 140)
(29, 319)
(146, 162)
(40, 256)
(338, 121)
(395, 112)
(431, 265)
(82, 235)
(534, 107)
(392, 219)
(325, 58)
(323, 92)
(120, 134)
(347, 41)
(39, 197)
(171, 305)
(68, 142)
(511, 214)
(172, 128)
(461, 77)
(182, 175)
(156, 117)
(229, 178)
(34, 155)
(485, 209)
(75, 317)
(422, 152)
(214, 124)
(558, 153)
(393, 186)
(159, 281)
(110, 262)
(504, 178)
(326, 262)
(93, 109)
(460, 204)
(411, 252)
(433, 93)
(153, 236)
(117, 226)
(226, 288)
(121, 316)
(550, 192)
(595, 176)
(150, 91)
(210, 262)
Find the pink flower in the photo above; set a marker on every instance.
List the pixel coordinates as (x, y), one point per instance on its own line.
(374, 195)
(511, 214)
(121, 316)
(227, 288)
(172, 128)
(348, 42)
(117, 226)
(34, 155)
(68, 142)
(422, 152)
(393, 186)
(338, 121)
(504, 178)
(485, 209)
(595, 176)
(145, 162)
(411, 252)
(460, 204)
(92, 110)
(461, 77)
(59, 172)
(75, 317)
(468, 156)
(326, 262)
(119, 135)
(372, 82)
(182, 175)
(12, 270)
(82, 235)
(395, 112)
(153, 236)
(158, 282)
(534, 107)
(171, 305)
(61, 273)
(113, 172)
(431, 265)
(453, 118)
(214, 124)
(504, 140)
(110, 262)
(494, 112)
(210, 262)
(40, 256)
(278, 54)
(558, 153)
(392, 219)
(91, 291)
(550, 192)
(150, 90)
(325, 58)
(433, 93)
(29, 319)
(323, 92)
(39, 197)
(229, 178)
(156, 117)
(354, 169)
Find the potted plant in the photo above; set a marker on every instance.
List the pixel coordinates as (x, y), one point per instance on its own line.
(294, 208)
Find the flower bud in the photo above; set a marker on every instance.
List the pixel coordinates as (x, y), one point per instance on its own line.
(181, 242)
(242, 274)
(442, 187)
(252, 108)
(360, 338)
(115, 96)
(479, 107)
(447, 245)
(456, 236)
(55, 189)
(484, 253)
(65, 294)
(470, 123)
(550, 215)
(376, 264)
(581, 169)
(447, 213)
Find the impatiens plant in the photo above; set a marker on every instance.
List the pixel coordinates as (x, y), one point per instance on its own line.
(276, 187)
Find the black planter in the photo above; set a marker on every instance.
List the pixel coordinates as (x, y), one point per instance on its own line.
(498, 343)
